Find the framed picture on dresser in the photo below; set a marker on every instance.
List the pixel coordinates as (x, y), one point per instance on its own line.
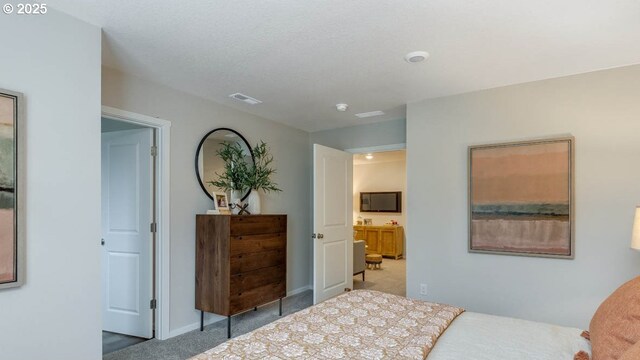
(222, 202)
(12, 170)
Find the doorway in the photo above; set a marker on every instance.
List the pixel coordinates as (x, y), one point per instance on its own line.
(135, 228)
(128, 233)
(379, 217)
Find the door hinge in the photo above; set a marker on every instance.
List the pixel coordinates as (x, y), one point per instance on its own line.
(153, 304)
(154, 151)
(154, 227)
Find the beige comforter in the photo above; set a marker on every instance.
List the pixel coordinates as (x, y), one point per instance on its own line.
(361, 324)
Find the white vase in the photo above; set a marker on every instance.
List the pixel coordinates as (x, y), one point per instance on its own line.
(236, 201)
(254, 202)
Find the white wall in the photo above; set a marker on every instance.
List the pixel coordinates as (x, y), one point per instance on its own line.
(602, 111)
(362, 136)
(192, 117)
(380, 176)
(54, 60)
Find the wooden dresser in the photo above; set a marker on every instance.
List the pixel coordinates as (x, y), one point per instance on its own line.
(241, 263)
(385, 240)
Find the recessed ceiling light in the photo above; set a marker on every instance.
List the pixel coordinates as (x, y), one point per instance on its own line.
(416, 56)
(245, 98)
(342, 107)
(370, 114)
(369, 156)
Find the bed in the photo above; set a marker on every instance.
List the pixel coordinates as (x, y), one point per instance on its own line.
(365, 324)
(487, 337)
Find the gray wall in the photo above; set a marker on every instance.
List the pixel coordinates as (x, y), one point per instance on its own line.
(602, 111)
(192, 117)
(54, 60)
(362, 136)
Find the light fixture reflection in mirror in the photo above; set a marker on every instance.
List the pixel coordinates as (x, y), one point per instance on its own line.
(208, 163)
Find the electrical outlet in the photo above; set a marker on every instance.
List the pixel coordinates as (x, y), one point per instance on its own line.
(423, 289)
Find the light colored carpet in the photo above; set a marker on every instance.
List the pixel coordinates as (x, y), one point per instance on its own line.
(194, 342)
(391, 278)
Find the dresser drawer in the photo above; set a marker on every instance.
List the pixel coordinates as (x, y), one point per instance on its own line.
(253, 225)
(257, 296)
(257, 243)
(249, 280)
(254, 261)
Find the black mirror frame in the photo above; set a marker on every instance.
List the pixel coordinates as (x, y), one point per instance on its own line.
(204, 138)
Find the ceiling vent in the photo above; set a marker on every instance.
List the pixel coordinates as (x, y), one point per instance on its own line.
(370, 114)
(245, 98)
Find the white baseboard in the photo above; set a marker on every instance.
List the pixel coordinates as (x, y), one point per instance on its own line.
(196, 325)
(299, 290)
(212, 318)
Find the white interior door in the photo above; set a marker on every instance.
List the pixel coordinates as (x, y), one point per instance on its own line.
(127, 242)
(332, 222)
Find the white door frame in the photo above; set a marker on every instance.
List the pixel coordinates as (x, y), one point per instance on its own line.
(163, 130)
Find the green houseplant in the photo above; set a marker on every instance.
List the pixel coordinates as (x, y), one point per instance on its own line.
(239, 175)
(259, 176)
(236, 170)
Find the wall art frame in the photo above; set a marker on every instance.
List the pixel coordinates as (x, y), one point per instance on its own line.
(12, 190)
(521, 198)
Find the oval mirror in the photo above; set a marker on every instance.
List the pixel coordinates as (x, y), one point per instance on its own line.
(209, 164)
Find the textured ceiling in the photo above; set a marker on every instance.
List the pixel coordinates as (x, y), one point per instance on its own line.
(302, 57)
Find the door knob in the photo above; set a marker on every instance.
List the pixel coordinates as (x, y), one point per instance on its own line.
(320, 236)
(102, 242)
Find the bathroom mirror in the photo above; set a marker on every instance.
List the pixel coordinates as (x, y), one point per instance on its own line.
(208, 163)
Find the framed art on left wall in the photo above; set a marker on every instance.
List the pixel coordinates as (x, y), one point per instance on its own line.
(12, 211)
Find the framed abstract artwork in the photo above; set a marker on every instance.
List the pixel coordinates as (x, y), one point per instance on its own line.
(12, 234)
(521, 198)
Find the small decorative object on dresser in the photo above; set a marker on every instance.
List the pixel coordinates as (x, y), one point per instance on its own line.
(222, 203)
(216, 206)
(241, 263)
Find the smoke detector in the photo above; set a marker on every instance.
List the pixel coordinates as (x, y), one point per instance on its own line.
(245, 98)
(342, 107)
(416, 56)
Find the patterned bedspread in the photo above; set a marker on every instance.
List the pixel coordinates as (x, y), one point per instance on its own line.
(360, 324)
